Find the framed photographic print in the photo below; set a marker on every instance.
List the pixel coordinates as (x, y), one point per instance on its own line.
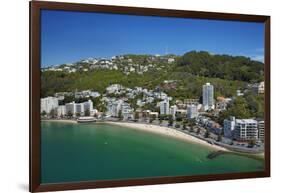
(123, 96)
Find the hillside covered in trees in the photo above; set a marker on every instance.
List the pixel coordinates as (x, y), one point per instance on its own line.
(222, 66)
(188, 73)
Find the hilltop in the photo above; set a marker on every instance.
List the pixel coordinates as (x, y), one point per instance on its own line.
(179, 76)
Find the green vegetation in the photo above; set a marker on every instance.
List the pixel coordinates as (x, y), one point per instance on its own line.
(171, 120)
(120, 115)
(222, 66)
(251, 105)
(187, 86)
(190, 122)
(137, 116)
(69, 114)
(98, 80)
(44, 113)
(189, 73)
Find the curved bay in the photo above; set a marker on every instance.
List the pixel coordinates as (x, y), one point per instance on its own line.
(86, 152)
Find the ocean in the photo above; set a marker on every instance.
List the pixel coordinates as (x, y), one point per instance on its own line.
(99, 151)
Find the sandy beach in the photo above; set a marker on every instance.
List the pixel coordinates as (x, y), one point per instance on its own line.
(168, 132)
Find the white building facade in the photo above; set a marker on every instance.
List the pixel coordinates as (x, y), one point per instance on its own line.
(48, 104)
(127, 111)
(192, 111)
(164, 107)
(61, 110)
(246, 129)
(261, 130)
(173, 111)
(113, 108)
(79, 107)
(70, 108)
(208, 96)
(88, 107)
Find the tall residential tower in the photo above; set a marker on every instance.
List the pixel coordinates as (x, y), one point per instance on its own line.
(165, 107)
(208, 96)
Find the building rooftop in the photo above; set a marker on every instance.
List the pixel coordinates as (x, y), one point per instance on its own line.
(246, 121)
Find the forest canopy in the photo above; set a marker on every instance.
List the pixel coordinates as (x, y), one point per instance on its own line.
(222, 66)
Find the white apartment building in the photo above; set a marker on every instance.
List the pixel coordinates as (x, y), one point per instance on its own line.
(261, 130)
(79, 107)
(208, 96)
(61, 110)
(88, 106)
(192, 111)
(113, 108)
(49, 103)
(173, 111)
(70, 108)
(164, 107)
(246, 129)
(127, 111)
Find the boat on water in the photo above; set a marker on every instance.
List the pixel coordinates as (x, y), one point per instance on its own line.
(86, 119)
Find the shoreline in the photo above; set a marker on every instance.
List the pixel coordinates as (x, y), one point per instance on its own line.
(166, 131)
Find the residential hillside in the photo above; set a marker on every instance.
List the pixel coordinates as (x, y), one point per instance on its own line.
(178, 76)
(198, 86)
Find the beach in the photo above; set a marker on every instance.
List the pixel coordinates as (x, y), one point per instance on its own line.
(168, 132)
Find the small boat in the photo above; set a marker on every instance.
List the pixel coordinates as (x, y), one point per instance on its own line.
(86, 119)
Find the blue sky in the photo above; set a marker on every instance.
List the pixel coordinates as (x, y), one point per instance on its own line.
(67, 37)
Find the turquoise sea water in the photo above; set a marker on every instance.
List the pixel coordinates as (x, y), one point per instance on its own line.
(87, 152)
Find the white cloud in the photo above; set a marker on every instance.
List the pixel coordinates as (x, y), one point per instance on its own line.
(259, 58)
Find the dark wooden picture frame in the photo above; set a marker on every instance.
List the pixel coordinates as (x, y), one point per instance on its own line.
(35, 7)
